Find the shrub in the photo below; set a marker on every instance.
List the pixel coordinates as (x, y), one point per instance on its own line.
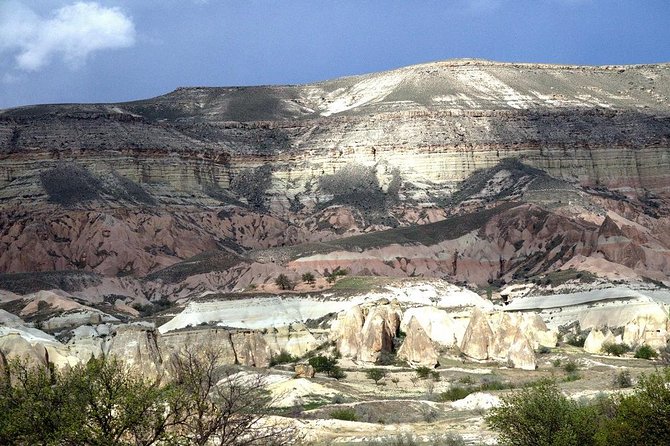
(622, 380)
(543, 350)
(337, 373)
(615, 349)
(576, 340)
(323, 364)
(645, 352)
(466, 380)
(308, 278)
(345, 414)
(376, 374)
(283, 282)
(423, 372)
(556, 362)
(570, 367)
(574, 376)
(642, 417)
(456, 393)
(542, 415)
(282, 358)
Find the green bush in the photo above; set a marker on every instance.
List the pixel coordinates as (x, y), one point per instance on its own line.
(345, 414)
(570, 367)
(323, 364)
(103, 402)
(542, 415)
(615, 349)
(284, 283)
(642, 417)
(423, 372)
(622, 380)
(308, 278)
(645, 352)
(282, 358)
(337, 373)
(376, 374)
(576, 340)
(456, 393)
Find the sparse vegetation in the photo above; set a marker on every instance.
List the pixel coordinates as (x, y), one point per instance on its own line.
(570, 367)
(333, 276)
(456, 393)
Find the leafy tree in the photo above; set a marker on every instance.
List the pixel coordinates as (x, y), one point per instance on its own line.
(105, 403)
(308, 278)
(646, 352)
(615, 349)
(323, 364)
(376, 374)
(283, 282)
(642, 417)
(543, 416)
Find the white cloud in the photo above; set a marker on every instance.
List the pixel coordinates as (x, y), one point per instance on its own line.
(72, 33)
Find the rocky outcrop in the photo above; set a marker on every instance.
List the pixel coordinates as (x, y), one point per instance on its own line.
(418, 348)
(364, 333)
(304, 371)
(478, 337)
(520, 354)
(437, 324)
(380, 327)
(649, 329)
(347, 331)
(596, 339)
(507, 337)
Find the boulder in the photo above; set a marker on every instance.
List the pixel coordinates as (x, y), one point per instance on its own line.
(304, 371)
(14, 346)
(418, 348)
(439, 326)
(534, 328)
(478, 337)
(506, 329)
(595, 340)
(380, 327)
(347, 331)
(521, 354)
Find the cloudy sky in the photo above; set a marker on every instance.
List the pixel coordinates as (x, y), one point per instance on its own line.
(117, 50)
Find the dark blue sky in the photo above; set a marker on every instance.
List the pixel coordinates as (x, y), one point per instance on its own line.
(131, 49)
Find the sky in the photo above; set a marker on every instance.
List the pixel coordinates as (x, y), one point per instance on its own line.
(55, 51)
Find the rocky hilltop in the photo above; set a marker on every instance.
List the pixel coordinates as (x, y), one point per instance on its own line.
(130, 188)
